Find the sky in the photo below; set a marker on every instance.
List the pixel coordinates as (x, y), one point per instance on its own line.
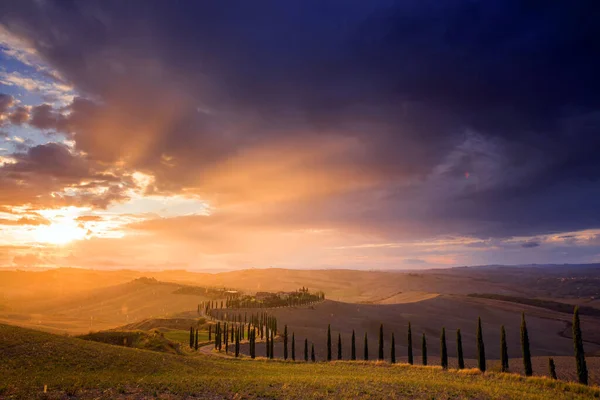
(223, 135)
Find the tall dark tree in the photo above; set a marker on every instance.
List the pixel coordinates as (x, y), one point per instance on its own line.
(196, 341)
(410, 349)
(552, 368)
(226, 332)
(582, 371)
(353, 349)
(272, 352)
(339, 355)
(285, 343)
(329, 342)
(459, 350)
(424, 349)
(480, 347)
(252, 338)
(527, 367)
(267, 346)
(503, 350)
(444, 350)
(380, 344)
(312, 352)
(191, 337)
(237, 343)
(210, 333)
(366, 348)
(393, 350)
(293, 347)
(305, 349)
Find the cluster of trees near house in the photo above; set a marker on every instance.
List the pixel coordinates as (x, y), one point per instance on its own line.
(266, 326)
(272, 300)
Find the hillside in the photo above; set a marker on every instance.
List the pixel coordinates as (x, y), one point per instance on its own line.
(102, 308)
(68, 366)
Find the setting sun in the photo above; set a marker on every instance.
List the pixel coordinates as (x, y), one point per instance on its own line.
(61, 232)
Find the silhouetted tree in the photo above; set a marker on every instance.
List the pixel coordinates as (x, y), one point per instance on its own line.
(252, 338)
(272, 352)
(525, 347)
(380, 354)
(424, 349)
(285, 343)
(305, 349)
(410, 349)
(210, 333)
(582, 371)
(312, 352)
(366, 348)
(459, 350)
(237, 343)
(293, 347)
(480, 347)
(196, 341)
(393, 350)
(552, 368)
(444, 350)
(353, 349)
(191, 337)
(267, 346)
(503, 350)
(329, 342)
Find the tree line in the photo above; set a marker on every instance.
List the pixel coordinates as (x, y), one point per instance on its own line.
(265, 326)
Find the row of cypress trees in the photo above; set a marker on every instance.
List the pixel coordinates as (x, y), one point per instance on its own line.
(582, 372)
(237, 334)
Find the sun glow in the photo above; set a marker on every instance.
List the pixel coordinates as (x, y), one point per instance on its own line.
(61, 232)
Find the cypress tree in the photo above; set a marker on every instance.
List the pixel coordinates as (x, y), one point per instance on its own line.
(216, 336)
(312, 352)
(253, 343)
(353, 350)
(191, 337)
(552, 368)
(525, 347)
(459, 350)
(329, 342)
(305, 349)
(237, 343)
(267, 346)
(285, 343)
(410, 350)
(480, 347)
(444, 350)
(366, 349)
(424, 349)
(393, 350)
(226, 332)
(503, 350)
(196, 341)
(582, 372)
(272, 352)
(339, 357)
(210, 333)
(380, 355)
(293, 347)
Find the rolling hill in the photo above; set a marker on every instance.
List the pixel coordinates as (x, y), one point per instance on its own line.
(31, 361)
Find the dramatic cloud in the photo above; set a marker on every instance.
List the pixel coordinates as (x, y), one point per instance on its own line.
(377, 122)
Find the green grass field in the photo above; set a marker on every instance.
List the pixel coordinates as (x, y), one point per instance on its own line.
(183, 337)
(85, 369)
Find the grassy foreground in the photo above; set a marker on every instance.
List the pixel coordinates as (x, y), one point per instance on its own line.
(69, 366)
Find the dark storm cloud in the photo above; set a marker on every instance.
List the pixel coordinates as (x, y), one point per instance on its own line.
(460, 117)
(530, 245)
